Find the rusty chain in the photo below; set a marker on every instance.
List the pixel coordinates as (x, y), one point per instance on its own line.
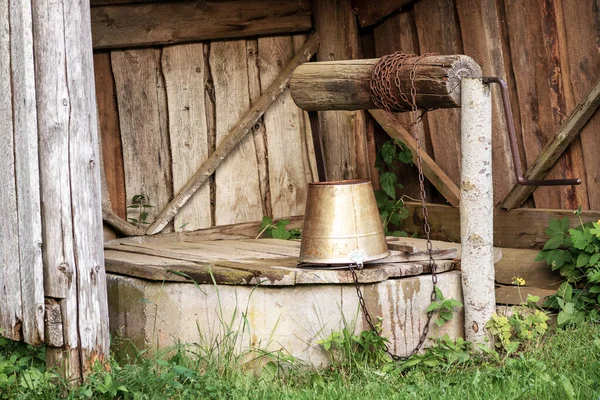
(387, 93)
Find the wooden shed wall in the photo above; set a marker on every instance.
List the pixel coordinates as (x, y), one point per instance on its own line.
(164, 108)
(548, 50)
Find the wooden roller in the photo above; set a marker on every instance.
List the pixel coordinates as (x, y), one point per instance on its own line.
(344, 85)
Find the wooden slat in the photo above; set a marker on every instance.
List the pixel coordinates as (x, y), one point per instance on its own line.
(228, 80)
(238, 197)
(283, 120)
(110, 132)
(521, 228)
(144, 132)
(583, 60)
(537, 66)
(480, 25)
(346, 156)
(370, 12)
(438, 32)
(431, 170)
(70, 176)
(554, 149)
(131, 25)
(398, 33)
(516, 296)
(27, 172)
(183, 69)
(259, 132)
(11, 313)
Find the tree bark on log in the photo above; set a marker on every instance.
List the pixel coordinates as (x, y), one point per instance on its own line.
(344, 85)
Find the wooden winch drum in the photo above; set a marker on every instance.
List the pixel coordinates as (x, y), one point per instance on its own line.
(342, 224)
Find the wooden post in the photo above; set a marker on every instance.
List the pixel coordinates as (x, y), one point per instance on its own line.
(73, 256)
(344, 85)
(344, 133)
(477, 210)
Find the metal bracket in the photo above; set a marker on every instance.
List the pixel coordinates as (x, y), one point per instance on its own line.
(510, 125)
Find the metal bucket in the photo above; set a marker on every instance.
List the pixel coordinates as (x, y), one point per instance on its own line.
(342, 224)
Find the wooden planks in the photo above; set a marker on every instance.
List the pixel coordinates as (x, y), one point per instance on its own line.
(110, 133)
(133, 25)
(70, 183)
(238, 197)
(183, 70)
(283, 123)
(344, 133)
(11, 314)
(27, 172)
(144, 130)
(583, 61)
(438, 31)
(370, 12)
(480, 23)
(538, 68)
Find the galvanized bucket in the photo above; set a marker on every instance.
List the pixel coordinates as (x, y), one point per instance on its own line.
(342, 224)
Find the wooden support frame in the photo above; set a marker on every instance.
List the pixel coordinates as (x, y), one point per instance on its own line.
(554, 149)
(236, 134)
(432, 171)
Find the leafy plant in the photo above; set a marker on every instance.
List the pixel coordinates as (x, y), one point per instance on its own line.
(141, 203)
(278, 230)
(391, 208)
(444, 353)
(443, 307)
(575, 253)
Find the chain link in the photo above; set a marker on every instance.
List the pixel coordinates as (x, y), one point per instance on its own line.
(387, 93)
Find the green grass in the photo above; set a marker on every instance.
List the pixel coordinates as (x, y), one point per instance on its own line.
(565, 365)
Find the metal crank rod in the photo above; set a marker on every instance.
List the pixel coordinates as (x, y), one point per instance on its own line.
(510, 125)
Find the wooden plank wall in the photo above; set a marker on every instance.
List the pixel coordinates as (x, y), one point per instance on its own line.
(163, 110)
(549, 53)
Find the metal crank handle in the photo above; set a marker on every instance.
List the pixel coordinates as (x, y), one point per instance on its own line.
(510, 125)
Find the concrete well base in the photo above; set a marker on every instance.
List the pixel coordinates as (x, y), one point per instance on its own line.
(292, 319)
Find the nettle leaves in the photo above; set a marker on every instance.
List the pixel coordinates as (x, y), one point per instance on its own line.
(391, 208)
(575, 253)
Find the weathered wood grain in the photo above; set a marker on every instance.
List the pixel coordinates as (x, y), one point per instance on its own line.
(70, 181)
(110, 133)
(480, 25)
(345, 155)
(259, 132)
(431, 170)
(183, 69)
(521, 228)
(238, 197)
(398, 33)
(225, 84)
(54, 324)
(554, 149)
(132, 25)
(118, 223)
(438, 32)
(283, 122)
(582, 31)
(538, 74)
(370, 12)
(517, 296)
(27, 172)
(144, 132)
(11, 314)
(521, 263)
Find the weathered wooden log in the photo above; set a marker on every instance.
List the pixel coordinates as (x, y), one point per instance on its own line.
(344, 85)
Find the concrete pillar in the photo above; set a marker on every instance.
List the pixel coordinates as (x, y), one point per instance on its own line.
(477, 209)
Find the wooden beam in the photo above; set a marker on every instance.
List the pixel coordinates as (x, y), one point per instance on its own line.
(234, 136)
(69, 183)
(521, 228)
(122, 226)
(344, 85)
(432, 171)
(151, 24)
(370, 12)
(345, 155)
(556, 147)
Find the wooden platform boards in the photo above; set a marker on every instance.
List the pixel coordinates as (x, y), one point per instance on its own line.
(270, 262)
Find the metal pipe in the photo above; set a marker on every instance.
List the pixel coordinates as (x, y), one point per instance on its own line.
(510, 125)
